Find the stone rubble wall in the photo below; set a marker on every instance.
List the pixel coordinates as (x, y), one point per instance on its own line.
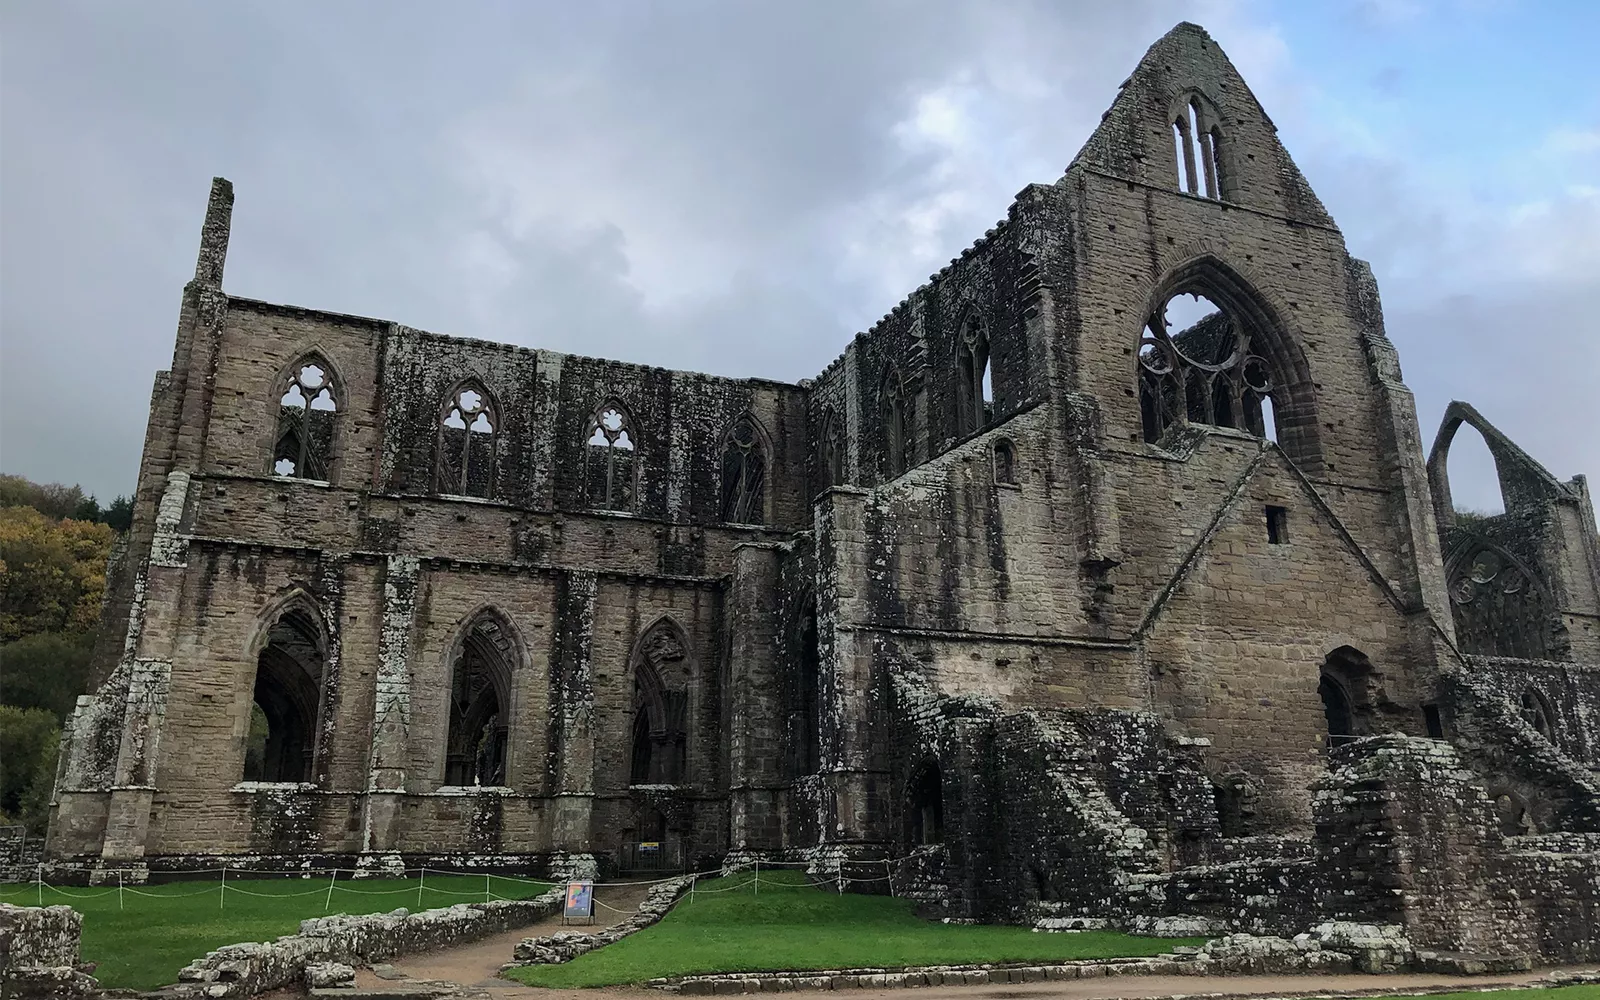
(564, 946)
(242, 970)
(39, 952)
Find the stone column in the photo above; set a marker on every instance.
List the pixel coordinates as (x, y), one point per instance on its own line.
(391, 707)
(755, 723)
(572, 714)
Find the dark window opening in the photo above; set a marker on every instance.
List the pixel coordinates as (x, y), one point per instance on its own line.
(1336, 709)
(304, 443)
(1277, 525)
(281, 743)
(1536, 712)
(744, 474)
(639, 772)
(1235, 801)
(974, 392)
(833, 450)
(610, 460)
(808, 740)
(1511, 814)
(660, 705)
(480, 685)
(1198, 364)
(894, 409)
(466, 445)
(925, 806)
(1430, 719)
(1005, 462)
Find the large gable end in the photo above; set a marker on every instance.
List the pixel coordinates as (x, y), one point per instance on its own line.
(1185, 94)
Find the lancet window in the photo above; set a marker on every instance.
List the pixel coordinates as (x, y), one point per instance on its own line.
(744, 474)
(974, 392)
(1197, 141)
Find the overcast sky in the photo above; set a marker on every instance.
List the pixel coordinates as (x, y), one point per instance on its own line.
(739, 187)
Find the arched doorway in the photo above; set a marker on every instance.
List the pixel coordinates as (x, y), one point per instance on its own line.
(287, 700)
(480, 701)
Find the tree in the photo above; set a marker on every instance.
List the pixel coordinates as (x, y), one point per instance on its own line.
(119, 516)
(29, 741)
(48, 670)
(52, 574)
(53, 500)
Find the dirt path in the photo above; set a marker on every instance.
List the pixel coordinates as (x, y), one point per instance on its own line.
(478, 963)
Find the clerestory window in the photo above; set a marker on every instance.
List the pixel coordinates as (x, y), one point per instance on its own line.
(974, 392)
(304, 444)
(610, 459)
(744, 474)
(466, 444)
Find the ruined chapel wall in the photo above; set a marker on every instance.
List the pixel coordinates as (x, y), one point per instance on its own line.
(1235, 654)
(992, 285)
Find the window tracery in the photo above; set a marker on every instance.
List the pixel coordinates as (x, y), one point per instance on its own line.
(832, 449)
(1499, 609)
(480, 689)
(466, 444)
(974, 393)
(894, 410)
(303, 446)
(1198, 364)
(744, 474)
(610, 459)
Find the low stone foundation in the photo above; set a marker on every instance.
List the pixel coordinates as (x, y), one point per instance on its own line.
(242, 970)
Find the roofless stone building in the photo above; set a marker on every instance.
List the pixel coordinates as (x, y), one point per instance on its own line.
(1104, 576)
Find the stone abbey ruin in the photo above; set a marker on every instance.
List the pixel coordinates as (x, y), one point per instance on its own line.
(1103, 578)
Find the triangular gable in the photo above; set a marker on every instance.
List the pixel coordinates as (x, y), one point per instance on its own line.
(1134, 140)
(1237, 494)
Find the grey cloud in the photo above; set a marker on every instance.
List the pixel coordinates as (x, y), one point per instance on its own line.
(676, 184)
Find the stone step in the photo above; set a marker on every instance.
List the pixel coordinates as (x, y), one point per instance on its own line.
(1461, 963)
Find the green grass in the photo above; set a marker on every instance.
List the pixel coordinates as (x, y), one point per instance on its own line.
(1544, 993)
(144, 937)
(790, 925)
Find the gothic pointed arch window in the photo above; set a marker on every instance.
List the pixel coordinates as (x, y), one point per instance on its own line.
(480, 701)
(467, 429)
(1197, 144)
(660, 730)
(303, 445)
(744, 473)
(1539, 713)
(1213, 352)
(286, 702)
(1499, 606)
(832, 449)
(974, 391)
(894, 411)
(610, 458)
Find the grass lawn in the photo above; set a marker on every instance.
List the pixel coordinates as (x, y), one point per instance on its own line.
(143, 939)
(791, 925)
(1551, 993)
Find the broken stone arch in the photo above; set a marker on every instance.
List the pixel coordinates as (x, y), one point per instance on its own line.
(292, 672)
(1509, 460)
(1291, 391)
(481, 664)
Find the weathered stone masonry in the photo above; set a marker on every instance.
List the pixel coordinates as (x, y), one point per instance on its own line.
(1103, 578)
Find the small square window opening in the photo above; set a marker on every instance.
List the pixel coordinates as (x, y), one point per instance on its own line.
(1277, 525)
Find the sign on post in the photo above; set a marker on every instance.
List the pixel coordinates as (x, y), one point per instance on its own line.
(580, 900)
